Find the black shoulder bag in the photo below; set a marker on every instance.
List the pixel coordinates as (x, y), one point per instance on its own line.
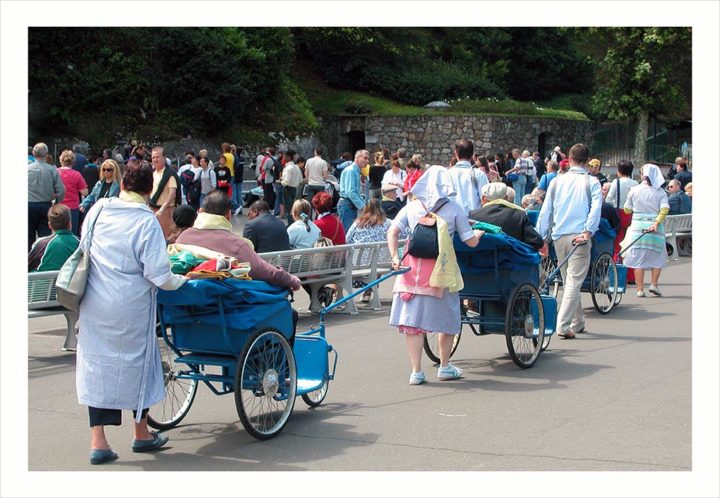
(424, 240)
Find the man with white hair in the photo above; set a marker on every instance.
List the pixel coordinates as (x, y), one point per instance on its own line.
(531, 172)
(350, 188)
(44, 186)
(513, 220)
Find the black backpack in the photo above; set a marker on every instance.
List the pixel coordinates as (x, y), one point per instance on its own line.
(276, 169)
(193, 188)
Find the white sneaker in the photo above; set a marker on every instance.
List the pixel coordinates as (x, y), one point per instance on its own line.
(449, 372)
(640, 293)
(417, 378)
(655, 290)
(238, 211)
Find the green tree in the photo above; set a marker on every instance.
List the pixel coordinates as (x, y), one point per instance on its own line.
(645, 71)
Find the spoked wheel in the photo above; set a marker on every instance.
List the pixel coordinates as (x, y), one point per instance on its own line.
(179, 393)
(547, 266)
(430, 345)
(604, 284)
(314, 398)
(618, 298)
(265, 384)
(545, 342)
(524, 325)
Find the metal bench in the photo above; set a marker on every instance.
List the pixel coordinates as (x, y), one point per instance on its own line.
(371, 260)
(317, 267)
(679, 226)
(42, 301)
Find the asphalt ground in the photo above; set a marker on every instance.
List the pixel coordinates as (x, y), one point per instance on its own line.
(616, 398)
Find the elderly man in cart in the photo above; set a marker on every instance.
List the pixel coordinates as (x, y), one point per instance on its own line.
(571, 215)
(212, 229)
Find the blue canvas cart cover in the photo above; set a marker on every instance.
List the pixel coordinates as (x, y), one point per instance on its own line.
(512, 253)
(245, 303)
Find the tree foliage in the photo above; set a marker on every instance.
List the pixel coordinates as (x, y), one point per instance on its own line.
(168, 81)
(644, 70)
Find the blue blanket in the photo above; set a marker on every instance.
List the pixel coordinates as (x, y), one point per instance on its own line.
(234, 293)
(512, 253)
(246, 304)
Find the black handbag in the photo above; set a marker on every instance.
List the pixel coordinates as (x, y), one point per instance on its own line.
(423, 242)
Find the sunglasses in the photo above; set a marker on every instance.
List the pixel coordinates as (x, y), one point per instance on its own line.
(106, 170)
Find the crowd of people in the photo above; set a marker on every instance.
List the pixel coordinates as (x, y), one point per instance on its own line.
(140, 205)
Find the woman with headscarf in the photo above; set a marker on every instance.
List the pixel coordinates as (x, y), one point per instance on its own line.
(649, 205)
(426, 299)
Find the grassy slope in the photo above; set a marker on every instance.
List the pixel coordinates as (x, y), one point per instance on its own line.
(330, 101)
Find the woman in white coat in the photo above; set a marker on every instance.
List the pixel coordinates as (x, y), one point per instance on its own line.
(118, 361)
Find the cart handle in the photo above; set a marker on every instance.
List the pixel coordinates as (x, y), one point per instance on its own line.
(644, 231)
(324, 311)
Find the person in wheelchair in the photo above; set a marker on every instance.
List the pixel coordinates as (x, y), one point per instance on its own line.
(511, 218)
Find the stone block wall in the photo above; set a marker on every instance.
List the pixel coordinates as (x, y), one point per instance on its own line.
(434, 136)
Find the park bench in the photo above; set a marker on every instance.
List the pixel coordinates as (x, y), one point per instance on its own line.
(371, 260)
(42, 301)
(316, 267)
(679, 226)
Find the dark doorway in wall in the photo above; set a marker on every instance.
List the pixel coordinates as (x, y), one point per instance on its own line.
(545, 143)
(356, 141)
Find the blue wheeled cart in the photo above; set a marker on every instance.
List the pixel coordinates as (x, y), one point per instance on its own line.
(236, 336)
(501, 296)
(606, 281)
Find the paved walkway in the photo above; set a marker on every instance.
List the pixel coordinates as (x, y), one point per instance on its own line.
(616, 398)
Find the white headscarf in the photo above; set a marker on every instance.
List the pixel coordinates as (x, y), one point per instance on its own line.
(433, 185)
(654, 174)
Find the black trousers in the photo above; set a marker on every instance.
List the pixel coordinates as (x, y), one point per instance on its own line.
(108, 416)
(37, 221)
(269, 195)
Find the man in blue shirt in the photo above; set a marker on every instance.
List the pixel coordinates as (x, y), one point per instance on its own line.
(350, 187)
(552, 168)
(571, 213)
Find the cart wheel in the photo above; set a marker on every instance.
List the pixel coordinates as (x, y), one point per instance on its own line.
(603, 284)
(430, 345)
(618, 298)
(522, 323)
(265, 383)
(545, 342)
(179, 393)
(314, 398)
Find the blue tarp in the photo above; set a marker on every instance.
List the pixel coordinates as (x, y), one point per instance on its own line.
(234, 293)
(195, 315)
(512, 254)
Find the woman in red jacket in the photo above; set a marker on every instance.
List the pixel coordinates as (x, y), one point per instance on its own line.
(330, 225)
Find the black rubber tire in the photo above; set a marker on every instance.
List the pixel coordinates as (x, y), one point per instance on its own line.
(603, 274)
(179, 393)
(268, 365)
(315, 398)
(430, 346)
(523, 350)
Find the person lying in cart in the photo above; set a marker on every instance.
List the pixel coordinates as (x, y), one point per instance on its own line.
(212, 229)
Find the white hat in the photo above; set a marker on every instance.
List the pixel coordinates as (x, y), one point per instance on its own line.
(494, 191)
(388, 188)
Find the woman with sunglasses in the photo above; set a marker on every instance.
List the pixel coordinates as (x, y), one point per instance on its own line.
(107, 186)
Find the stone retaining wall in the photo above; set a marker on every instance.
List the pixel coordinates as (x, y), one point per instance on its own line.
(434, 136)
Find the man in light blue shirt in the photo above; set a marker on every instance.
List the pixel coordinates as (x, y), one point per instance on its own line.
(350, 187)
(467, 180)
(571, 212)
